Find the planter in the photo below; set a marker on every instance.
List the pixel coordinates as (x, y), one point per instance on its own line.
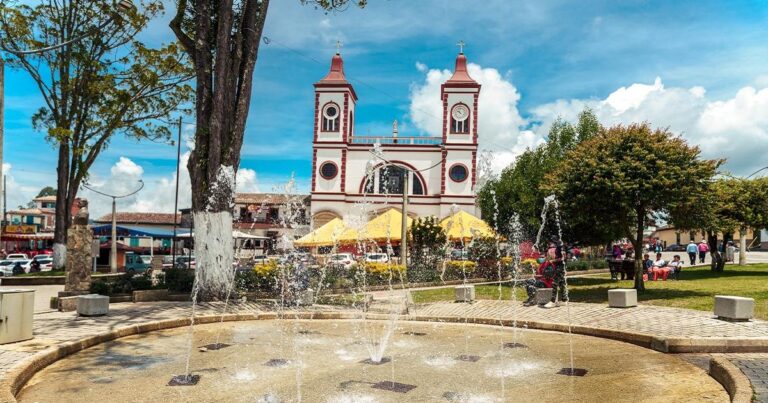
(150, 295)
(178, 297)
(120, 298)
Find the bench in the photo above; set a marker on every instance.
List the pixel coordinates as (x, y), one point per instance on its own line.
(734, 308)
(465, 293)
(622, 298)
(543, 295)
(92, 305)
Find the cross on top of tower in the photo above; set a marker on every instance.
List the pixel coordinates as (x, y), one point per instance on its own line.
(461, 45)
(338, 47)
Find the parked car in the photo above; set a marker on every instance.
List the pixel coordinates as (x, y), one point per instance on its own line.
(21, 266)
(342, 260)
(459, 254)
(137, 263)
(17, 256)
(675, 248)
(42, 256)
(376, 258)
(45, 264)
(6, 268)
(185, 262)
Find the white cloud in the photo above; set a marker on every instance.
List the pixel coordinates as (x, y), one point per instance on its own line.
(17, 194)
(501, 127)
(735, 128)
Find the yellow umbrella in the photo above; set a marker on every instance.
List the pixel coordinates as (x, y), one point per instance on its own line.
(387, 225)
(327, 235)
(462, 225)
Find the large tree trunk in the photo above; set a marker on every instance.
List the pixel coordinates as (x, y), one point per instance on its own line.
(638, 245)
(62, 215)
(742, 246)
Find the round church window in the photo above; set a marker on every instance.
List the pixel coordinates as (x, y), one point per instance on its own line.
(458, 173)
(328, 170)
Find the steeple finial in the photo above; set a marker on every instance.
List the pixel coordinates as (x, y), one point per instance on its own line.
(461, 45)
(338, 47)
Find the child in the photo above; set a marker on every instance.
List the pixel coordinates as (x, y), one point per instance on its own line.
(543, 279)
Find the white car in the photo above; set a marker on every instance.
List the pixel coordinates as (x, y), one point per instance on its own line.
(42, 257)
(343, 260)
(17, 256)
(25, 264)
(376, 258)
(45, 264)
(6, 268)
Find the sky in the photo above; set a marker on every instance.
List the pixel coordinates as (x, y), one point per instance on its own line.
(699, 68)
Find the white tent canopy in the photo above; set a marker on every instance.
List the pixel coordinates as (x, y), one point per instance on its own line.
(235, 234)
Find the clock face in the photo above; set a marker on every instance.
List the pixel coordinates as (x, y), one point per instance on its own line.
(460, 112)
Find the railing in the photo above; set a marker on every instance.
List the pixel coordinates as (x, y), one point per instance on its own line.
(413, 140)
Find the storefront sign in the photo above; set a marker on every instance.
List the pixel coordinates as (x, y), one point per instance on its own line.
(19, 229)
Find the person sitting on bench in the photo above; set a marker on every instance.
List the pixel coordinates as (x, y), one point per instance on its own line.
(675, 266)
(543, 278)
(660, 268)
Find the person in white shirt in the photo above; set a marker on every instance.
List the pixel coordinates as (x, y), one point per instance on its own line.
(660, 268)
(675, 266)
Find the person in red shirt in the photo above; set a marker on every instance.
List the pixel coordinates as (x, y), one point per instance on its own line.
(703, 249)
(544, 277)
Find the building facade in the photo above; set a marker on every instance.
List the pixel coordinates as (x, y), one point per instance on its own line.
(348, 169)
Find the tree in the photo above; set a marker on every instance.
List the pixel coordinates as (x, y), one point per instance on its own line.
(614, 181)
(103, 83)
(519, 186)
(46, 191)
(221, 39)
(427, 244)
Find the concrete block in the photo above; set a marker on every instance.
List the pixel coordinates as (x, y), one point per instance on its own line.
(622, 298)
(92, 305)
(543, 295)
(67, 304)
(465, 293)
(734, 308)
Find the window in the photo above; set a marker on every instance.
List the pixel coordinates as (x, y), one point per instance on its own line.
(390, 180)
(328, 170)
(460, 119)
(331, 117)
(458, 173)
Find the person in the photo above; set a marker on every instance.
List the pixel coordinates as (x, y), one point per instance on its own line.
(675, 266)
(730, 252)
(659, 268)
(703, 249)
(558, 282)
(17, 269)
(542, 279)
(692, 249)
(34, 267)
(647, 267)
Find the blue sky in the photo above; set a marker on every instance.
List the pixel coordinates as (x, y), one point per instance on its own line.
(698, 67)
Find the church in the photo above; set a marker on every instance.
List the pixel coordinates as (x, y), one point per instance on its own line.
(440, 171)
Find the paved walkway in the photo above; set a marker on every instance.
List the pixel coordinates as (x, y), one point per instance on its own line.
(56, 328)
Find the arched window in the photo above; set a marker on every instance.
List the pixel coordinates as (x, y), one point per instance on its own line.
(460, 119)
(390, 180)
(331, 115)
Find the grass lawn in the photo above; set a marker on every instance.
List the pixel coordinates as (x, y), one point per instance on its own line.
(43, 274)
(695, 290)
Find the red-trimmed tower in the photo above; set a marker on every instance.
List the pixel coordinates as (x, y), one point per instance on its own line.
(459, 95)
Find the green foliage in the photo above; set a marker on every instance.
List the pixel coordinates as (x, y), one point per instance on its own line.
(179, 280)
(518, 191)
(483, 248)
(609, 185)
(427, 234)
(125, 284)
(46, 191)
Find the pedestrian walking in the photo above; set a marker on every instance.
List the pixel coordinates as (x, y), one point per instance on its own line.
(559, 290)
(730, 252)
(703, 249)
(692, 250)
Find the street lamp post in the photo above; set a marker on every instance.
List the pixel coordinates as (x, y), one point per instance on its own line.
(113, 248)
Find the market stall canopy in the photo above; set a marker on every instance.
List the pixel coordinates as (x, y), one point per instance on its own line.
(385, 226)
(235, 234)
(326, 235)
(137, 231)
(462, 225)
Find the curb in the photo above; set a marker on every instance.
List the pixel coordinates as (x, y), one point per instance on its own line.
(733, 380)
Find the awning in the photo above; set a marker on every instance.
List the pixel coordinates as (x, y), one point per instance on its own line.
(136, 231)
(235, 234)
(326, 235)
(462, 225)
(27, 237)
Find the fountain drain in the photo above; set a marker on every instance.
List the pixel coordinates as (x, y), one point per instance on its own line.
(213, 347)
(468, 358)
(184, 380)
(277, 362)
(369, 361)
(515, 345)
(414, 333)
(394, 386)
(572, 371)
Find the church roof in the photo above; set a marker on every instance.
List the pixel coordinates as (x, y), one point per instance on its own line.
(336, 75)
(460, 73)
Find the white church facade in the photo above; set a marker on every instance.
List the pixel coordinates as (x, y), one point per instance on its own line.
(441, 170)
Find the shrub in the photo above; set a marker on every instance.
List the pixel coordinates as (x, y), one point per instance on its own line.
(379, 273)
(179, 280)
(459, 269)
(101, 287)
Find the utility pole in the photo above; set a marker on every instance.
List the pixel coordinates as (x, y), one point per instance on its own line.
(113, 247)
(404, 229)
(2, 139)
(176, 199)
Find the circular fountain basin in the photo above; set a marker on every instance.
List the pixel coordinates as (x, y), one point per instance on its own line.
(329, 361)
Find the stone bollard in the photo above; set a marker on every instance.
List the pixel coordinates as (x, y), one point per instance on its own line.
(734, 308)
(543, 295)
(92, 305)
(465, 293)
(622, 298)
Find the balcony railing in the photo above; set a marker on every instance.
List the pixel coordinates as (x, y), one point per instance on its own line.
(413, 140)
